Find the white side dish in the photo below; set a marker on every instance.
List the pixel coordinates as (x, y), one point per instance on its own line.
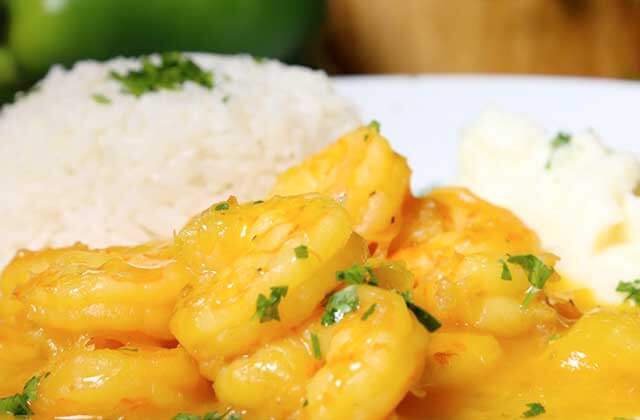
(575, 193)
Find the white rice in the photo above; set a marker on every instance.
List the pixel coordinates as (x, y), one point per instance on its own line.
(72, 169)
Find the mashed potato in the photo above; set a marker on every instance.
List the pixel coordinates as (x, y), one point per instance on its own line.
(575, 193)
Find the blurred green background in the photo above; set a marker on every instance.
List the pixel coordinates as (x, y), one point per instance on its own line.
(595, 38)
(34, 34)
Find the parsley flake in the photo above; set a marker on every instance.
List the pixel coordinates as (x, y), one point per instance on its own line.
(340, 303)
(425, 318)
(369, 312)
(506, 273)
(267, 308)
(631, 288)
(213, 415)
(222, 206)
(537, 273)
(315, 346)
(101, 99)
(535, 409)
(374, 125)
(561, 139)
(20, 404)
(301, 252)
(171, 73)
(357, 274)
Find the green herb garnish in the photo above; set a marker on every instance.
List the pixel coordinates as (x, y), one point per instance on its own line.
(315, 346)
(374, 125)
(213, 415)
(631, 288)
(369, 312)
(425, 318)
(101, 99)
(305, 402)
(222, 206)
(506, 273)
(340, 303)
(20, 404)
(561, 139)
(301, 252)
(171, 73)
(357, 274)
(537, 273)
(535, 409)
(267, 308)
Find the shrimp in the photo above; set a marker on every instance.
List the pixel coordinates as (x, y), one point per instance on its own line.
(27, 264)
(456, 244)
(116, 290)
(365, 175)
(261, 269)
(110, 382)
(359, 368)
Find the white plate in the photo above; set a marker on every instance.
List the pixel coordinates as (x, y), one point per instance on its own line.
(423, 115)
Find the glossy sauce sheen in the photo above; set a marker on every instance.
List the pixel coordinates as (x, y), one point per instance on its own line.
(150, 331)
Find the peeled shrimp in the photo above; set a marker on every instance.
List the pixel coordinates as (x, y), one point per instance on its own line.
(117, 290)
(239, 252)
(108, 382)
(365, 175)
(365, 365)
(454, 243)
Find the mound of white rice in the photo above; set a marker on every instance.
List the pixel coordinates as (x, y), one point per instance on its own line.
(74, 169)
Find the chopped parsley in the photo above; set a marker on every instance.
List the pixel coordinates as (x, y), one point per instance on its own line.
(535, 409)
(171, 73)
(226, 98)
(374, 125)
(305, 402)
(267, 308)
(213, 415)
(506, 273)
(425, 318)
(631, 288)
(20, 404)
(537, 273)
(340, 303)
(369, 312)
(222, 206)
(132, 349)
(561, 139)
(301, 252)
(357, 274)
(315, 346)
(101, 99)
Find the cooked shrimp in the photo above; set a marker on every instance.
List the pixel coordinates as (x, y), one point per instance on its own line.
(271, 383)
(27, 264)
(455, 244)
(118, 290)
(22, 352)
(109, 382)
(359, 368)
(262, 269)
(365, 175)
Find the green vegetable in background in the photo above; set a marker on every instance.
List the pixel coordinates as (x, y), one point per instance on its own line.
(40, 33)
